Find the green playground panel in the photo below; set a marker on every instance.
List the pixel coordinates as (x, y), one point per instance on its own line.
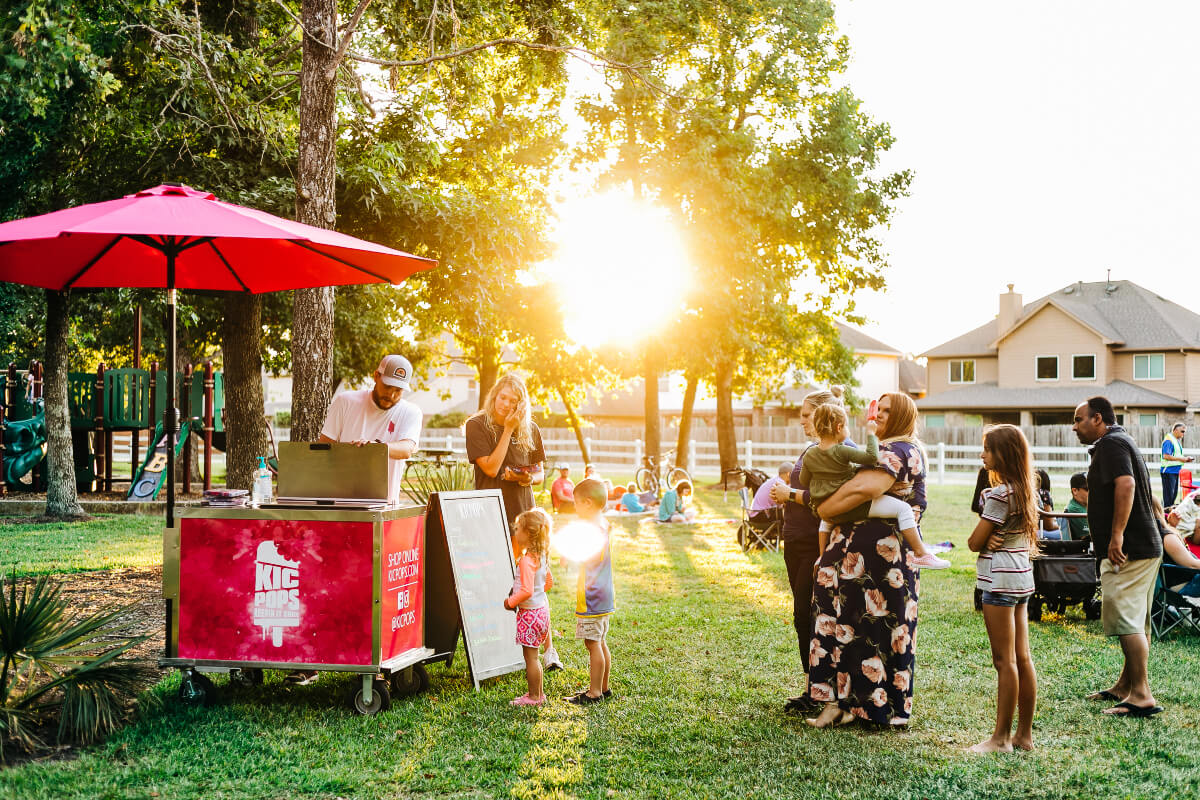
(127, 398)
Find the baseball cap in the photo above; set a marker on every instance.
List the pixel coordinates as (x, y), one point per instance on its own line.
(562, 465)
(395, 371)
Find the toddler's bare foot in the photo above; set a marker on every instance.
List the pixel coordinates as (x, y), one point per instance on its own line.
(992, 746)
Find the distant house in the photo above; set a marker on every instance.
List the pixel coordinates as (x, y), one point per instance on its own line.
(1034, 362)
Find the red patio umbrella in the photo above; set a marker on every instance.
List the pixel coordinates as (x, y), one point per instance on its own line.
(175, 237)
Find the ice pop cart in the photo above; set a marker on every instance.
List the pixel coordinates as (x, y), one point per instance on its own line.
(249, 589)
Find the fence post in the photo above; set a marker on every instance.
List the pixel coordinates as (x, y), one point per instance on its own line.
(637, 454)
(941, 451)
(587, 445)
(749, 454)
(693, 457)
(450, 442)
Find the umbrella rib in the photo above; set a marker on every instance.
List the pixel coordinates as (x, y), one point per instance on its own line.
(229, 267)
(92, 263)
(307, 246)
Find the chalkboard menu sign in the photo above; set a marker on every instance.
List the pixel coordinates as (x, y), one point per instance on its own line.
(470, 571)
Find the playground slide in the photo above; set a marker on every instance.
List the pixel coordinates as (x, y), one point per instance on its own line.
(153, 472)
(25, 443)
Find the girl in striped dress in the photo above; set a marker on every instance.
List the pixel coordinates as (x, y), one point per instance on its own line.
(1006, 539)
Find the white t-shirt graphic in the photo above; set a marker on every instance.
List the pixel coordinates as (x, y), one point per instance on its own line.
(353, 416)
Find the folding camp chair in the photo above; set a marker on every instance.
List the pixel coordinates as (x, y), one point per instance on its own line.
(1170, 609)
(764, 534)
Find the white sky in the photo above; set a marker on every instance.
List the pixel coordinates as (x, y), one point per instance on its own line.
(1049, 141)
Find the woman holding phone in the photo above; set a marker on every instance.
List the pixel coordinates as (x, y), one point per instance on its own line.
(505, 445)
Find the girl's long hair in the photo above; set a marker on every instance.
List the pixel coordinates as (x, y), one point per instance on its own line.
(510, 380)
(1013, 465)
(537, 526)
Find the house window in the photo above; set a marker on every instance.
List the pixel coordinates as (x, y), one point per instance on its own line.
(664, 384)
(1148, 420)
(1047, 368)
(962, 371)
(973, 420)
(1083, 368)
(1149, 367)
(935, 420)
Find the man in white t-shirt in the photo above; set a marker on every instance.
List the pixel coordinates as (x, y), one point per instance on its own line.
(379, 415)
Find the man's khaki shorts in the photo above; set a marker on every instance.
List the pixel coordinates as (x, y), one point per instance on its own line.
(592, 628)
(1127, 594)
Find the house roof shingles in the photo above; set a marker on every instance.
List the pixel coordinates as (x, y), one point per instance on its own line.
(990, 396)
(1133, 317)
(859, 342)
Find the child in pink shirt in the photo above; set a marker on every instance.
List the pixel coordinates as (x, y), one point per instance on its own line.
(528, 597)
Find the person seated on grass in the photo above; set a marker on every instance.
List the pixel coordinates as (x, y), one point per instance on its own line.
(1077, 528)
(829, 464)
(764, 508)
(636, 503)
(562, 492)
(673, 506)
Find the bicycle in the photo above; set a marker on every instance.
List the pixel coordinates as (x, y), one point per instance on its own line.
(657, 472)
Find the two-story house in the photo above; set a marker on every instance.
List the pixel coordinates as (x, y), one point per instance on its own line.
(1035, 362)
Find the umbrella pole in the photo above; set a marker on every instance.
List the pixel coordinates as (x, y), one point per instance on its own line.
(170, 415)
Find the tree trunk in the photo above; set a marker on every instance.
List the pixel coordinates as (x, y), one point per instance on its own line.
(62, 497)
(245, 426)
(653, 420)
(312, 309)
(575, 426)
(488, 366)
(683, 454)
(726, 438)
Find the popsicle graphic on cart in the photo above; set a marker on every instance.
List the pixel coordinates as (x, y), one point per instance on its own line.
(276, 592)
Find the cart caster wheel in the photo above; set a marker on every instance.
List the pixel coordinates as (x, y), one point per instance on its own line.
(248, 677)
(1035, 610)
(1091, 609)
(381, 699)
(979, 600)
(196, 689)
(408, 682)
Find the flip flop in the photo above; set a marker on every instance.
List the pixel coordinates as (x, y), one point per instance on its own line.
(1105, 695)
(1131, 710)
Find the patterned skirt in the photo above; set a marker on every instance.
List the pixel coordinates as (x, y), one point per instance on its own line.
(865, 623)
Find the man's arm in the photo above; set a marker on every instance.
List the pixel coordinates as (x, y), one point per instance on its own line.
(401, 449)
(1123, 489)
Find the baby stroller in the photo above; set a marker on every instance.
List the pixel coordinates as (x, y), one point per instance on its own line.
(751, 533)
(1065, 575)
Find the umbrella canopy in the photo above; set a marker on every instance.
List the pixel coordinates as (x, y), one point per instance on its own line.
(216, 246)
(175, 237)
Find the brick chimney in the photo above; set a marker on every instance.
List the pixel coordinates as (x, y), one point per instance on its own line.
(1010, 310)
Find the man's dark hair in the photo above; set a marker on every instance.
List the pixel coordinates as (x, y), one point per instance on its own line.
(1100, 405)
(1178, 425)
(1079, 480)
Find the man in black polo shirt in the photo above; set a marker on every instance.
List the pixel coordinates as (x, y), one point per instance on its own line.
(1125, 535)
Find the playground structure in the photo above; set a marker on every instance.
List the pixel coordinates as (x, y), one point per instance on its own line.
(101, 404)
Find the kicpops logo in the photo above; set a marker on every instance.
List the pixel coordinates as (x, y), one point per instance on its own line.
(400, 372)
(276, 592)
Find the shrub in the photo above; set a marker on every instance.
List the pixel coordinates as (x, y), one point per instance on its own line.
(283, 419)
(55, 664)
(453, 419)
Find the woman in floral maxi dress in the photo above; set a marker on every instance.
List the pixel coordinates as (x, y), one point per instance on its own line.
(862, 654)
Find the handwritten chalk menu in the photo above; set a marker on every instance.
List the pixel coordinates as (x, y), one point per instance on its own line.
(481, 569)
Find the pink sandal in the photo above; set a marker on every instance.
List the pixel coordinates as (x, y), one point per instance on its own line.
(526, 700)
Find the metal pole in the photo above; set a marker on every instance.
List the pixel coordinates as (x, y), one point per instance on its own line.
(170, 414)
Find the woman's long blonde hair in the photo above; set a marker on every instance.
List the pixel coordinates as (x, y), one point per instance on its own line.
(537, 526)
(820, 397)
(510, 380)
(1013, 465)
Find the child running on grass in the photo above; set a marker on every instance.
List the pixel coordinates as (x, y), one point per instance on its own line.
(528, 597)
(594, 604)
(829, 464)
(1005, 538)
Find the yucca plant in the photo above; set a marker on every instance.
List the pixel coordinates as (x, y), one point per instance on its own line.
(423, 478)
(61, 663)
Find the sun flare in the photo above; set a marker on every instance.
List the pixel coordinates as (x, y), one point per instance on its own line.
(620, 269)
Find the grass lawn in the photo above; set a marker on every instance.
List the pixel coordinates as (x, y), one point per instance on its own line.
(103, 542)
(703, 657)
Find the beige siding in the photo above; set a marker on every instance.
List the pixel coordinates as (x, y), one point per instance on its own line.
(1192, 365)
(1050, 332)
(1174, 383)
(937, 374)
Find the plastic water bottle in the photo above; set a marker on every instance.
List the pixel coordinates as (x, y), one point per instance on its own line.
(262, 492)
